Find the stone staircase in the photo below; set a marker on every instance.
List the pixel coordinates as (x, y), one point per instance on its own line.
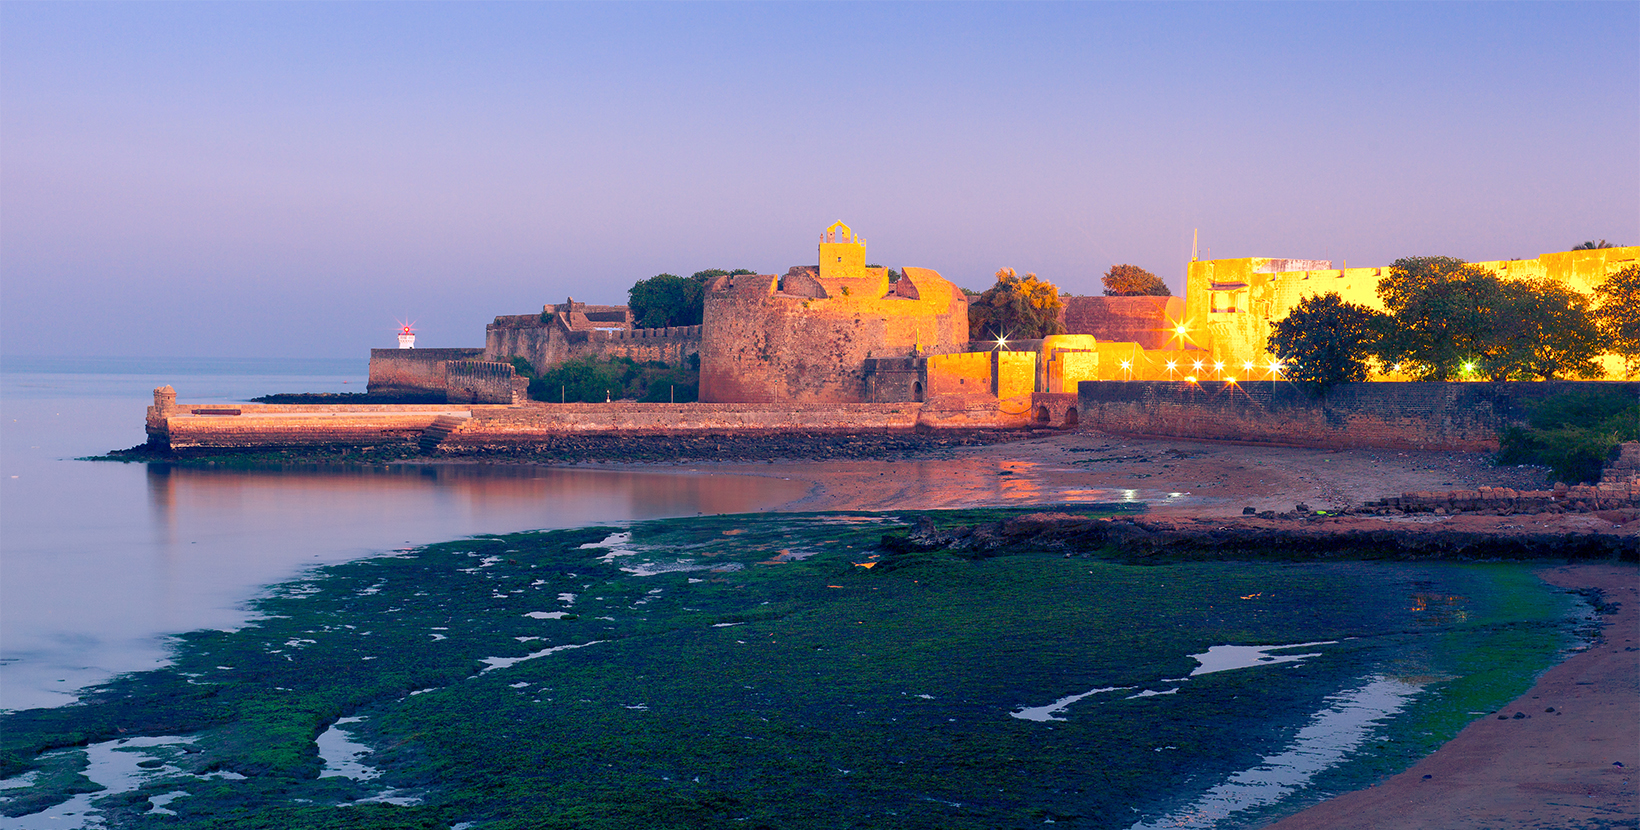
(439, 429)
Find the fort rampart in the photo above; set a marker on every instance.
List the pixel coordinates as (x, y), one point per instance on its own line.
(418, 370)
(805, 337)
(484, 381)
(1386, 415)
(548, 342)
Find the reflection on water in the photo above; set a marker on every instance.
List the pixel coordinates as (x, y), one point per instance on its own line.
(1330, 736)
(475, 493)
(110, 557)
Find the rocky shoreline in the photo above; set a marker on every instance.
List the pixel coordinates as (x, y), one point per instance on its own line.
(1283, 536)
(573, 448)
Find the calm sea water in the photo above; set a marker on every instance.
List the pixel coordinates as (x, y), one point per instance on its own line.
(100, 561)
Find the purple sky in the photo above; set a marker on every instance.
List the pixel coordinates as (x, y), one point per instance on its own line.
(244, 179)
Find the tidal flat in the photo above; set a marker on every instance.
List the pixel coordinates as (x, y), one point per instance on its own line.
(787, 670)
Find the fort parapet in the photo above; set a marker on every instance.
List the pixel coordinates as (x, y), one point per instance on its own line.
(571, 330)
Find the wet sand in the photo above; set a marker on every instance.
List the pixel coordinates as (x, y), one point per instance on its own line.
(1571, 768)
(1568, 763)
(1174, 477)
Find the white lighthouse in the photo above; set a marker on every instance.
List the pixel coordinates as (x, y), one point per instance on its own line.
(407, 337)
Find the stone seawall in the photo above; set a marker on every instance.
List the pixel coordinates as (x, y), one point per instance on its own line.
(522, 424)
(452, 426)
(1421, 416)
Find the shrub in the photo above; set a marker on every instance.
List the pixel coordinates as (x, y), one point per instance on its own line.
(595, 380)
(1573, 433)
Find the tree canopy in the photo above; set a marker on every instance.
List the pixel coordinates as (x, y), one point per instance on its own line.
(667, 300)
(1592, 245)
(670, 300)
(1133, 281)
(1016, 308)
(1544, 330)
(1451, 320)
(1326, 341)
(1618, 316)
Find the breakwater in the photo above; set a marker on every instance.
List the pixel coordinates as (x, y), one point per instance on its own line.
(473, 427)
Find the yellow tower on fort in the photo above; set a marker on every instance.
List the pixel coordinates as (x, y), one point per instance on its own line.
(842, 254)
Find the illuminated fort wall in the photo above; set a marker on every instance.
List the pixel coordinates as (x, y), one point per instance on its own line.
(1231, 305)
(805, 337)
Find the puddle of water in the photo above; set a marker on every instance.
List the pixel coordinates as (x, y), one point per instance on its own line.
(493, 663)
(24, 780)
(1215, 659)
(342, 758)
(158, 803)
(1330, 736)
(618, 544)
(113, 765)
(1058, 707)
(341, 754)
(1228, 658)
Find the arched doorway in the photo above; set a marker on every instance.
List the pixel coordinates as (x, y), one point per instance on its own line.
(1042, 415)
(1070, 417)
(916, 391)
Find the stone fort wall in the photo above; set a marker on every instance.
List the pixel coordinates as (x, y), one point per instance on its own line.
(1381, 414)
(420, 370)
(548, 342)
(805, 338)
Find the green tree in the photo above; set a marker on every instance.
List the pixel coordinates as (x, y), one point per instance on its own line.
(1449, 320)
(1592, 245)
(667, 300)
(1015, 308)
(1133, 281)
(1326, 341)
(1543, 330)
(1618, 316)
(1442, 313)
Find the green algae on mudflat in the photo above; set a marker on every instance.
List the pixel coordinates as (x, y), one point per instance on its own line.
(746, 670)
